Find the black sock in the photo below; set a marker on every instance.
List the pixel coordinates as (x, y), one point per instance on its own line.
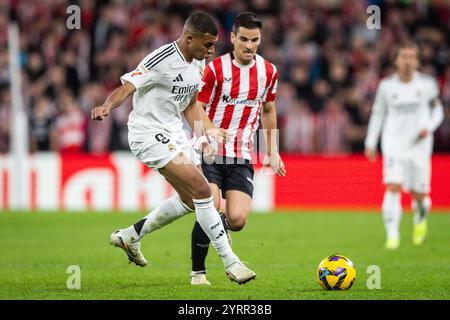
(199, 248)
(138, 226)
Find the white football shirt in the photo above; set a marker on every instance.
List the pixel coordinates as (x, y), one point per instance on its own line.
(401, 110)
(165, 84)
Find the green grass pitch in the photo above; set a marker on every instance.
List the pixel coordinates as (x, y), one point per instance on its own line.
(284, 249)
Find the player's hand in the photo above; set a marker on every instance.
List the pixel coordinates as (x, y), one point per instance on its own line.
(274, 161)
(218, 134)
(100, 113)
(423, 134)
(208, 153)
(370, 154)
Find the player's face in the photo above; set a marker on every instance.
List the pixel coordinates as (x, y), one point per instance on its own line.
(202, 46)
(407, 60)
(245, 43)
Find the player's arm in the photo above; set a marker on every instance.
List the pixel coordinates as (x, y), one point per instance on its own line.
(142, 76)
(115, 99)
(375, 124)
(199, 121)
(269, 125)
(436, 115)
(195, 112)
(436, 118)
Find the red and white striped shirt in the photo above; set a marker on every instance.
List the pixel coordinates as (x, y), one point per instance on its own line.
(233, 94)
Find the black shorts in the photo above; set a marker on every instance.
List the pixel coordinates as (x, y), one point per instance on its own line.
(230, 174)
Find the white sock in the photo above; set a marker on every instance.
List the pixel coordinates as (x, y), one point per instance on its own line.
(168, 211)
(209, 220)
(392, 213)
(421, 209)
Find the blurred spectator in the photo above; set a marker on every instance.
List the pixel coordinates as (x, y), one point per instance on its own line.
(300, 126)
(69, 133)
(5, 116)
(40, 126)
(321, 93)
(443, 133)
(333, 128)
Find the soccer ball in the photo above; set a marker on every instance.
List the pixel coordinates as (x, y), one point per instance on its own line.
(336, 272)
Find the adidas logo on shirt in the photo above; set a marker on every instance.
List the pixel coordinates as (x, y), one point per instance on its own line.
(178, 78)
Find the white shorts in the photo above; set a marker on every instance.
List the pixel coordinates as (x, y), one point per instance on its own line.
(412, 174)
(157, 147)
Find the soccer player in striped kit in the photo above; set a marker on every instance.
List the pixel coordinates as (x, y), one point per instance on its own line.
(406, 112)
(165, 86)
(238, 88)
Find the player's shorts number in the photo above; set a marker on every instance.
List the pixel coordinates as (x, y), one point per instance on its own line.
(161, 138)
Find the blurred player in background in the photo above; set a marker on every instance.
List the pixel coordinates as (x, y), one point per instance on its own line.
(407, 111)
(238, 87)
(164, 85)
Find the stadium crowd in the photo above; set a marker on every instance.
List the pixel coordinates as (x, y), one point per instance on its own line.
(329, 64)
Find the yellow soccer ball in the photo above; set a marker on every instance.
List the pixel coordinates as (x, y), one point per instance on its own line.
(336, 272)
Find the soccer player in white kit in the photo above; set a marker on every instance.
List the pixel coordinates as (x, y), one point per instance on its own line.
(407, 111)
(164, 85)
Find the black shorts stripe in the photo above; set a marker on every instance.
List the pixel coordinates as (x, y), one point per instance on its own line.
(155, 57)
(161, 59)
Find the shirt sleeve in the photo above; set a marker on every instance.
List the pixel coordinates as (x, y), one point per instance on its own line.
(145, 74)
(437, 110)
(272, 91)
(208, 83)
(434, 90)
(376, 118)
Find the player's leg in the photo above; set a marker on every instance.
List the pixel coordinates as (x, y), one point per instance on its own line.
(421, 204)
(171, 209)
(156, 150)
(182, 173)
(421, 201)
(393, 170)
(392, 213)
(234, 219)
(199, 239)
(238, 191)
(238, 205)
(168, 211)
(200, 244)
(237, 187)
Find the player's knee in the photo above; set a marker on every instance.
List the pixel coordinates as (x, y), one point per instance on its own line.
(394, 188)
(187, 201)
(237, 223)
(418, 196)
(201, 190)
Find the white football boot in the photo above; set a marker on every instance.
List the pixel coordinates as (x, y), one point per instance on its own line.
(239, 273)
(199, 278)
(130, 245)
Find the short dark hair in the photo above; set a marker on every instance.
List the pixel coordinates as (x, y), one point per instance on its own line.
(407, 44)
(247, 20)
(200, 23)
